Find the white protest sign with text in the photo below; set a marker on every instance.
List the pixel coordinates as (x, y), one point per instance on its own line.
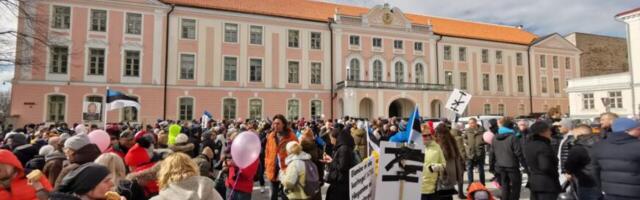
(361, 180)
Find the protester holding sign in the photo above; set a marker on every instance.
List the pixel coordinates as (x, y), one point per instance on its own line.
(455, 163)
(340, 164)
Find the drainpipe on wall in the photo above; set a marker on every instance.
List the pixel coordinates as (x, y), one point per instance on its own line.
(632, 83)
(438, 61)
(530, 89)
(166, 64)
(331, 21)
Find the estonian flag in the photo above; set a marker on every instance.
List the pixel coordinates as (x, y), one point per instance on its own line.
(206, 116)
(412, 132)
(116, 100)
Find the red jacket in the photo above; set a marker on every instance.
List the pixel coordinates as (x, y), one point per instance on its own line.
(245, 179)
(20, 188)
(138, 159)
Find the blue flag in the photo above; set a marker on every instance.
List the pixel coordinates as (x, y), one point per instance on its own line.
(412, 133)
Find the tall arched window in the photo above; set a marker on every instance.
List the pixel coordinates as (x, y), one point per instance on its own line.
(419, 73)
(354, 72)
(399, 67)
(316, 109)
(377, 70)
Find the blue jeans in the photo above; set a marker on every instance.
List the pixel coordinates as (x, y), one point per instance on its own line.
(476, 162)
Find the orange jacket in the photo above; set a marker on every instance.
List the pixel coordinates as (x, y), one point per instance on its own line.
(477, 186)
(272, 149)
(20, 188)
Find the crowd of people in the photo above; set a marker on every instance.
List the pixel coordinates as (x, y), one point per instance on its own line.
(192, 160)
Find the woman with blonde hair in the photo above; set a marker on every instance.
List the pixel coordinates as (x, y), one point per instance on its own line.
(179, 178)
(127, 188)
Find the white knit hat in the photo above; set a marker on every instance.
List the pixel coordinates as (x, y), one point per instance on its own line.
(182, 138)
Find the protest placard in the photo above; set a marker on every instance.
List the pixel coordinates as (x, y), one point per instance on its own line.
(361, 180)
(458, 101)
(400, 171)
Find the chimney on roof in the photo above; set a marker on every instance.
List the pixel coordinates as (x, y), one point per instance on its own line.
(520, 27)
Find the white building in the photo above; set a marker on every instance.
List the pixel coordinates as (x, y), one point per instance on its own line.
(587, 96)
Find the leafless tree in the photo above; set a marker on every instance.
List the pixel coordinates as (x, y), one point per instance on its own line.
(20, 31)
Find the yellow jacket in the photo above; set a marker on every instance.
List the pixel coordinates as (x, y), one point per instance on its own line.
(434, 157)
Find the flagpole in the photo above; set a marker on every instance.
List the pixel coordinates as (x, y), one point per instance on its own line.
(366, 127)
(106, 110)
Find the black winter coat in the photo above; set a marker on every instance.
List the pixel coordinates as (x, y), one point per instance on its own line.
(579, 159)
(506, 151)
(339, 168)
(564, 149)
(617, 164)
(542, 165)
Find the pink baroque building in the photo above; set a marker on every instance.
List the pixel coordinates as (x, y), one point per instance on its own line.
(258, 58)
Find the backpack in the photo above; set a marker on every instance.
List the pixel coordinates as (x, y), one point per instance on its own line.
(312, 183)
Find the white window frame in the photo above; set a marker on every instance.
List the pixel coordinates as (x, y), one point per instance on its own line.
(499, 57)
(224, 68)
(126, 27)
(615, 99)
(106, 21)
(289, 117)
(543, 61)
(419, 75)
(235, 108)
(351, 76)
(462, 54)
(89, 63)
(500, 82)
(486, 82)
(519, 59)
(356, 38)
(395, 45)
(320, 111)
(225, 34)
(311, 40)
(464, 80)
(382, 69)
(502, 109)
(567, 62)
(520, 83)
(193, 108)
(544, 85)
(556, 85)
(195, 64)
(124, 63)
(588, 101)
(448, 78)
(46, 106)
(52, 18)
(289, 62)
(377, 49)
(251, 27)
(195, 29)
(289, 42)
(261, 108)
(251, 72)
(446, 52)
(319, 74)
(485, 110)
(484, 56)
(555, 63)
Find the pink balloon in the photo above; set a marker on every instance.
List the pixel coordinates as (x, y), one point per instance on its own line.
(245, 149)
(100, 138)
(488, 137)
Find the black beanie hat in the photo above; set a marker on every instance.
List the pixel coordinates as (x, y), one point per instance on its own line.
(83, 179)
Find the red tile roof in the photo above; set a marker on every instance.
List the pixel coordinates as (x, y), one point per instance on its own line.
(322, 11)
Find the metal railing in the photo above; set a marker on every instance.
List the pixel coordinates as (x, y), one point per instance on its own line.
(393, 85)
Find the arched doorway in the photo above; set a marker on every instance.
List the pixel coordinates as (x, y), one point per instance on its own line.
(436, 109)
(366, 108)
(401, 108)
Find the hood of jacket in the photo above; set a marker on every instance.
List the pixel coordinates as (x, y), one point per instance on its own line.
(192, 188)
(358, 132)
(6, 157)
(344, 139)
(301, 156)
(477, 186)
(137, 156)
(55, 155)
(88, 153)
(587, 140)
(502, 136)
(505, 130)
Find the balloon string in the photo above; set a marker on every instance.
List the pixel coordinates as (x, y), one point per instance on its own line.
(235, 183)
